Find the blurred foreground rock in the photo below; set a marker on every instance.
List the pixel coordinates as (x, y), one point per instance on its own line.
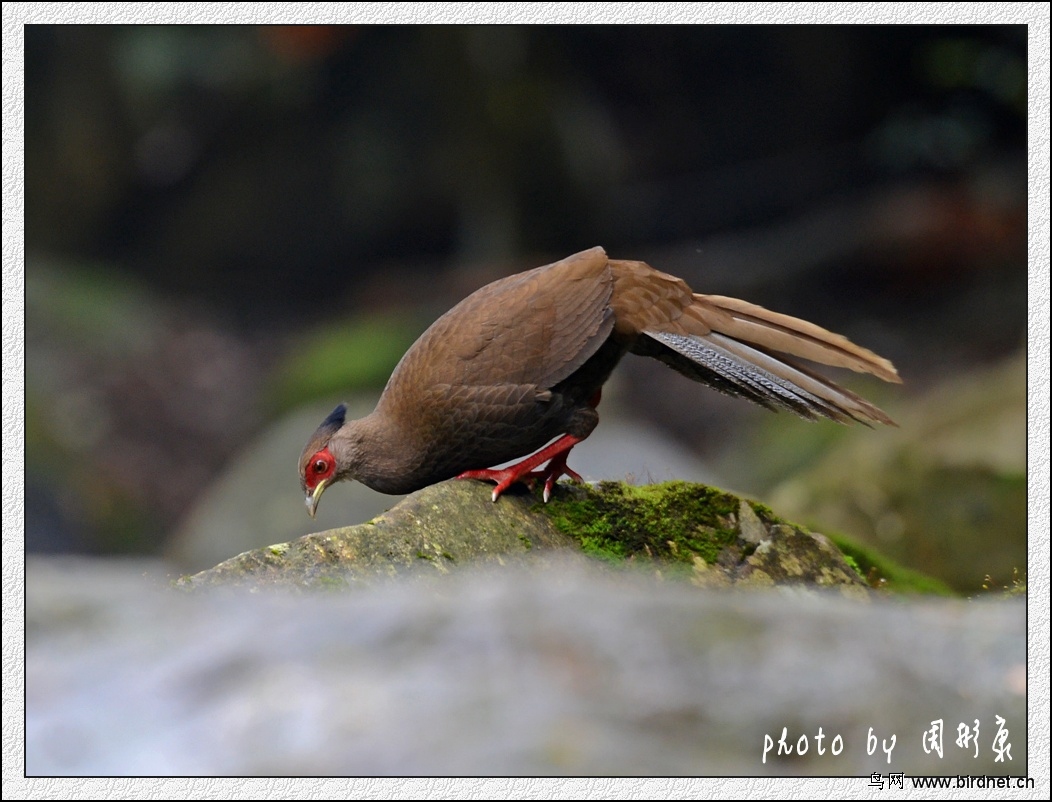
(565, 669)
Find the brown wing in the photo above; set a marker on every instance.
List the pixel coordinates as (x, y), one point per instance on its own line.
(532, 329)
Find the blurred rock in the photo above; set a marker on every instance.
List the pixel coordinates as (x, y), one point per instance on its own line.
(133, 402)
(569, 670)
(945, 493)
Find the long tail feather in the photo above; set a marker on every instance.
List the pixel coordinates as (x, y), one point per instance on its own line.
(753, 324)
(773, 382)
(731, 345)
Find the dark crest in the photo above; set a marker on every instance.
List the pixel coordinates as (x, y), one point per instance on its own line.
(323, 433)
(336, 418)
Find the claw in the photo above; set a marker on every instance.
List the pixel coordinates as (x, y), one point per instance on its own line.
(555, 454)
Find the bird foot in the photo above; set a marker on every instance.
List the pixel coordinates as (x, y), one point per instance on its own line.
(523, 471)
(552, 471)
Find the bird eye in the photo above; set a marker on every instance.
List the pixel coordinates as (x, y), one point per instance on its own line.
(320, 468)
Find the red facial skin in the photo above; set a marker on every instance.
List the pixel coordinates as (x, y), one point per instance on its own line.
(321, 466)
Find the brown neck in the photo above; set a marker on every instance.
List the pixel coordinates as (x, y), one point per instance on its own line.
(376, 453)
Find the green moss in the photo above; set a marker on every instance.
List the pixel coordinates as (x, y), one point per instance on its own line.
(1016, 587)
(439, 554)
(854, 564)
(330, 582)
(672, 522)
(603, 548)
(767, 514)
(678, 524)
(884, 573)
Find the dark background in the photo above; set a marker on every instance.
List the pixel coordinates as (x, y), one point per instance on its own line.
(207, 206)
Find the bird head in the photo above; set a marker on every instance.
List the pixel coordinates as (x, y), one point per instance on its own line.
(319, 467)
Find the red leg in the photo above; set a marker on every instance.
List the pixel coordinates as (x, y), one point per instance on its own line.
(524, 471)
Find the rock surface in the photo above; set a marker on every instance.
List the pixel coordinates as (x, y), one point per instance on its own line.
(713, 537)
(430, 532)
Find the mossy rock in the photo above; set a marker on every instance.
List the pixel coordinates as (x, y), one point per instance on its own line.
(717, 538)
(676, 530)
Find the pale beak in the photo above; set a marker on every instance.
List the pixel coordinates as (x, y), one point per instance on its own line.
(312, 498)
